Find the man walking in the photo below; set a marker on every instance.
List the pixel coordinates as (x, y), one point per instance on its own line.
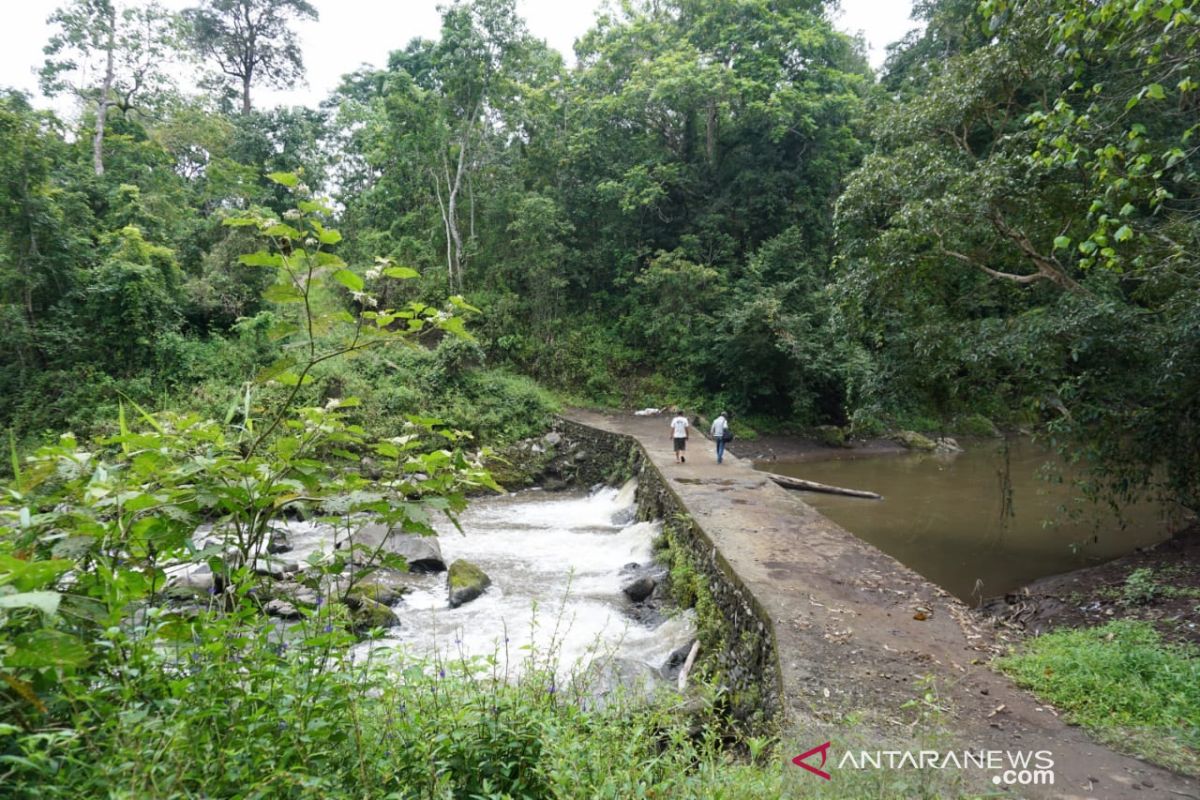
(720, 427)
(679, 435)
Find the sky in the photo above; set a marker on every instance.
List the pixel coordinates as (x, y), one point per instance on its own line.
(353, 32)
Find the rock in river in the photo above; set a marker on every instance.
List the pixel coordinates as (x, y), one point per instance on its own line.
(465, 582)
(367, 614)
(639, 589)
(422, 553)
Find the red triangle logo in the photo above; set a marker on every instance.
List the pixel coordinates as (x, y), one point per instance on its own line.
(823, 749)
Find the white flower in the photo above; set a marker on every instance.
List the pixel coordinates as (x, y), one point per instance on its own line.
(292, 213)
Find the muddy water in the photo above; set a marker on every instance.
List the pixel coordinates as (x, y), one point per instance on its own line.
(970, 524)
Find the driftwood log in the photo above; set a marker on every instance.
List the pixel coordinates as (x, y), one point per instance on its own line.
(801, 485)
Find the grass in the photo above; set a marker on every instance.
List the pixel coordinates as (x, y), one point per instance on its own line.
(1124, 684)
(226, 710)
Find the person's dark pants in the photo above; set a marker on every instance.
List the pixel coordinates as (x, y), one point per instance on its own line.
(720, 448)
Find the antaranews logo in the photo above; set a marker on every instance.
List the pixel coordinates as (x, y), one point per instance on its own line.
(823, 749)
(1008, 767)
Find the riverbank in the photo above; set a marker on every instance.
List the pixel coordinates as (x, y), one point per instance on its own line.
(868, 651)
(806, 448)
(1158, 585)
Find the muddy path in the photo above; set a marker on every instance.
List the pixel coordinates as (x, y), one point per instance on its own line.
(856, 630)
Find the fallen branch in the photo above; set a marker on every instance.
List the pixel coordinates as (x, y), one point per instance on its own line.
(802, 485)
(687, 665)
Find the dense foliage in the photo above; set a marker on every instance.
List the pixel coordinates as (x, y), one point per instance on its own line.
(717, 204)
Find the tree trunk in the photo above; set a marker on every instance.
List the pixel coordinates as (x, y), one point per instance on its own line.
(452, 218)
(103, 103)
(246, 94)
(802, 485)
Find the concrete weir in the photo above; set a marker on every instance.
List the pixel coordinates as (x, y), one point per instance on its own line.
(819, 625)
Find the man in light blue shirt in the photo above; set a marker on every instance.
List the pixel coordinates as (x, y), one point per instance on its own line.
(720, 427)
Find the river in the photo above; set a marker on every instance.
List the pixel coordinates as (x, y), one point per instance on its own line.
(557, 563)
(979, 523)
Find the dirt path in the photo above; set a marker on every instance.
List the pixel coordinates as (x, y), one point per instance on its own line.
(846, 625)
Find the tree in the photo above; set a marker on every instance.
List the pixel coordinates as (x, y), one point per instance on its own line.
(249, 41)
(108, 57)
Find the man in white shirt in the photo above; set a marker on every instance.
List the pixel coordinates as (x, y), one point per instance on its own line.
(719, 427)
(679, 435)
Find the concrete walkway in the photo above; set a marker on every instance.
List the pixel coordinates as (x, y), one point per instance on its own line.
(849, 641)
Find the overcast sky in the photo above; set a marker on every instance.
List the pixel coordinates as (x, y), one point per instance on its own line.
(353, 32)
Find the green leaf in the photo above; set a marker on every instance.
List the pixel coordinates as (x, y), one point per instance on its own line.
(292, 379)
(288, 179)
(458, 302)
(46, 648)
(46, 602)
(1062, 242)
(283, 293)
(1155, 92)
(327, 259)
(1123, 234)
(401, 273)
(281, 330)
(312, 206)
(261, 259)
(26, 576)
(329, 237)
(281, 230)
(145, 415)
(348, 279)
(275, 370)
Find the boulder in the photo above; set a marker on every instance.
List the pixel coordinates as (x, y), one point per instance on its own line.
(191, 576)
(281, 608)
(674, 662)
(379, 589)
(914, 441)
(422, 553)
(274, 568)
(279, 543)
(552, 438)
(465, 582)
(367, 614)
(639, 589)
(947, 445)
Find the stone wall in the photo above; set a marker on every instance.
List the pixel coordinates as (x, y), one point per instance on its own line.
(736, 632)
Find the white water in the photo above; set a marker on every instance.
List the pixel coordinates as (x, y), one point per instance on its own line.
(555, 563)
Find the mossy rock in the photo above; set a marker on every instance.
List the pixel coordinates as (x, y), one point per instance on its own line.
(976, 425)
(367, 614)
(465, 582)
(831, 436)
(914, 441)
(379, 591)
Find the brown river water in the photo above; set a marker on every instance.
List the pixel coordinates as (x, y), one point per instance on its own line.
(973, 526)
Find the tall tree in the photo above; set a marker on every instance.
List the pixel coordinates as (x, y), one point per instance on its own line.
(250, 40)
(109, 57)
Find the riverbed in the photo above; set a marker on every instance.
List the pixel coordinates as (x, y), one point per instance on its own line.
(983, 522)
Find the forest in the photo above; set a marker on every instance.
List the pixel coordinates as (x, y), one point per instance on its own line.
(212, 309)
